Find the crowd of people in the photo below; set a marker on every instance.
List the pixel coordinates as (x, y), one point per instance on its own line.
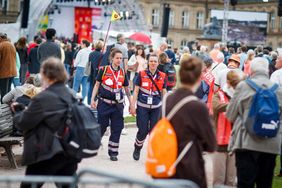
(105, 74)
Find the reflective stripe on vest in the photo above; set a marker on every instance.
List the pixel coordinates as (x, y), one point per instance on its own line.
(147, 84)
(148, 105)
(110, 89)
(148, 92)
(110, 101)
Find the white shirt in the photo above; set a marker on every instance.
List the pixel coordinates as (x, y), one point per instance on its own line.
(276, 77)
(82, 57)
(221, 78)
(216, 68)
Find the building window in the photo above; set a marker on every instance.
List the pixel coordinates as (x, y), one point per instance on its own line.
(170, 42)
(184, 43)
(4, 5)
(200, 20)
(279, 45)
(155, 17)
(185, 19)
(272, 21)
(171, 18)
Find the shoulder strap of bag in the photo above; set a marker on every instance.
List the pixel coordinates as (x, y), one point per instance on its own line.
(178, 106)
(274, 87)
(69, 114)
(153, 81)
(252, 84)
(214, 67)
(174, 110)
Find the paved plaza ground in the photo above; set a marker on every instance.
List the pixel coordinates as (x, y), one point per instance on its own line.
(124, 166)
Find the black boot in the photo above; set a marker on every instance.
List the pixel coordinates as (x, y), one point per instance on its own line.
(136, 154)
(113, 158)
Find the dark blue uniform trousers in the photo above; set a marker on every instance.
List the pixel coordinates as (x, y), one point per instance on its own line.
(146, 120)
(111, 115)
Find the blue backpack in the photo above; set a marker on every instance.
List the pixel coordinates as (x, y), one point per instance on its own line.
(264, 115)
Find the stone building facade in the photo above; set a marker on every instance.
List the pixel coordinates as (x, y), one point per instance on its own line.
(187, 18)
(9, 10)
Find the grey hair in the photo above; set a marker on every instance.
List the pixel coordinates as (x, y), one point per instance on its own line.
(186, 49)
(260, 65)
(220, 56)
(274, 55)
(216, 46)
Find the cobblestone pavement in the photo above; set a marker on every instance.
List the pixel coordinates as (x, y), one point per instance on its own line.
(124, 166)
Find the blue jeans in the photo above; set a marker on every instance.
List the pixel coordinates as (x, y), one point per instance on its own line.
(80, 78)
(67, 67)
(16, 82)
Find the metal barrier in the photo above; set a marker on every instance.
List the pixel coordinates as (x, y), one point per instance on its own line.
(86, 178)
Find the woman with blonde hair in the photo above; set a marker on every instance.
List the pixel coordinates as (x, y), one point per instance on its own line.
(95, 58)
(247, 64)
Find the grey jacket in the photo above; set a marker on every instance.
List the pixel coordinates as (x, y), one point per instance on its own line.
(48, 49)
(237, 113)
(15, 93)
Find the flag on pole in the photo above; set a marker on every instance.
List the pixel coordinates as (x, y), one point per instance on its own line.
(115, 16)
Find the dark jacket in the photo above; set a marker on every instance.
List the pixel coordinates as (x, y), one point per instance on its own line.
(34, 65)
(171, 55)
(191, 122)
(48, 49)
(68, 57)
(40, 121)
(95, 58)
(23, 55)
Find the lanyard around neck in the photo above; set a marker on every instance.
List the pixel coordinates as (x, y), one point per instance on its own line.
(151, 84)
(115, 77)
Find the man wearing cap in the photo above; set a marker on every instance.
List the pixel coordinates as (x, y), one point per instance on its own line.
(7, 64)
(233, 64)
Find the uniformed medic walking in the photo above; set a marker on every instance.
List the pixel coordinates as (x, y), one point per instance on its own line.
(150, 86)
(109, 90)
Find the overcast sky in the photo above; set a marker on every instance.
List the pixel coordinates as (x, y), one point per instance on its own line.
(241, 15)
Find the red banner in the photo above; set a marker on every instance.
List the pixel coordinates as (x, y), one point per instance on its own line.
(83, 23)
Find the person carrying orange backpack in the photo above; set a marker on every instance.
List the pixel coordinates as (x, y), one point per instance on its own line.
(190, 123)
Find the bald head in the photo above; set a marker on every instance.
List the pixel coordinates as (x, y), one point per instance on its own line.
(278, 64)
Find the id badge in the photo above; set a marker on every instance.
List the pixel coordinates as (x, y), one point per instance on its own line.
(150, 100)
(118, 96)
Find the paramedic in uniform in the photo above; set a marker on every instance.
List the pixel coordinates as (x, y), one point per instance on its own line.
(109, 91)
(150, 86)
